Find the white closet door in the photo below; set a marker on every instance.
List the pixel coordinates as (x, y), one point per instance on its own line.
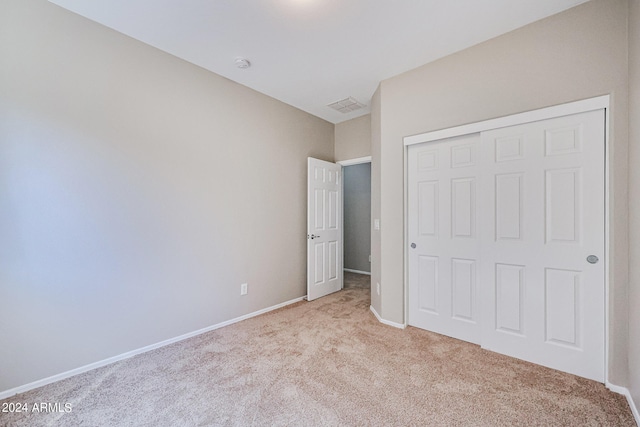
(443, 234)
(506, 235)
(542, 227)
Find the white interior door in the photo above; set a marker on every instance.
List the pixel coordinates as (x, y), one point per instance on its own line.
(443, 234)
(324, 228)
(534, 241)
(544, 218)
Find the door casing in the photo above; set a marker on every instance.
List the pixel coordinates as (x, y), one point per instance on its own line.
(343, 163)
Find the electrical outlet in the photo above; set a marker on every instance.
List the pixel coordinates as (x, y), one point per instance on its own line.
(369, 258)
(243, 289)
(378, 288)
(376, 224)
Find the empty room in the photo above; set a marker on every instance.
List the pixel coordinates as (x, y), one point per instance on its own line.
(319, 212)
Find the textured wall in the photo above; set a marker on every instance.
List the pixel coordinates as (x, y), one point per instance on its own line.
(138, 192)
(376, 199)
(353, 138)
(577, 54)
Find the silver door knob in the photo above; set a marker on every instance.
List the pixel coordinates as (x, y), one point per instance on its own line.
(413, 246)
(592, 259)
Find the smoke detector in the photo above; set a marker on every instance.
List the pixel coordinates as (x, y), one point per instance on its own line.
(346, 105)
(242, 63)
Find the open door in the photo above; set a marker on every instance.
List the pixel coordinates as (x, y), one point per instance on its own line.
(324, 228)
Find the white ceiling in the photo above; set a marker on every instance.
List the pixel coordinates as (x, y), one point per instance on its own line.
(310, 53)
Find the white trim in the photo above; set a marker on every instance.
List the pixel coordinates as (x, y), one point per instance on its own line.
(386, 322)
(607, 243)
(357, 161)
(58, 377)
(368, 273)
(405, 249)
(512, 120)
(350, 162)
(342, 224)
(625, 392)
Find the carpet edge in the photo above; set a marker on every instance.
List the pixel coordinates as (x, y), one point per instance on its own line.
(108, 361)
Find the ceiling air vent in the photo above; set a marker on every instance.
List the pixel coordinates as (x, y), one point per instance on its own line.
(346, 105)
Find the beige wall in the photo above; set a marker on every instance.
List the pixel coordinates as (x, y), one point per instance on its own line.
(634, 200)
(577, 54)
(138, 192)
(376, 157)
(129, 178)
(353, 138)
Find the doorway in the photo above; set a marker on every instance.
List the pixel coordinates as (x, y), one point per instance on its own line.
(357, 218)
(338, 224)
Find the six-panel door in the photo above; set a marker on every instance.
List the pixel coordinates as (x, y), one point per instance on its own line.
(544, 216)
(443, 266)
(324, 228)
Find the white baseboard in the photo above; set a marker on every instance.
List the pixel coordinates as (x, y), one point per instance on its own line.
(127, 355)
(368, 273)
(386, 322)
(625, 391)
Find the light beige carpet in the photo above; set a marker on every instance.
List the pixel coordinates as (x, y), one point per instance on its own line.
(326, 362)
